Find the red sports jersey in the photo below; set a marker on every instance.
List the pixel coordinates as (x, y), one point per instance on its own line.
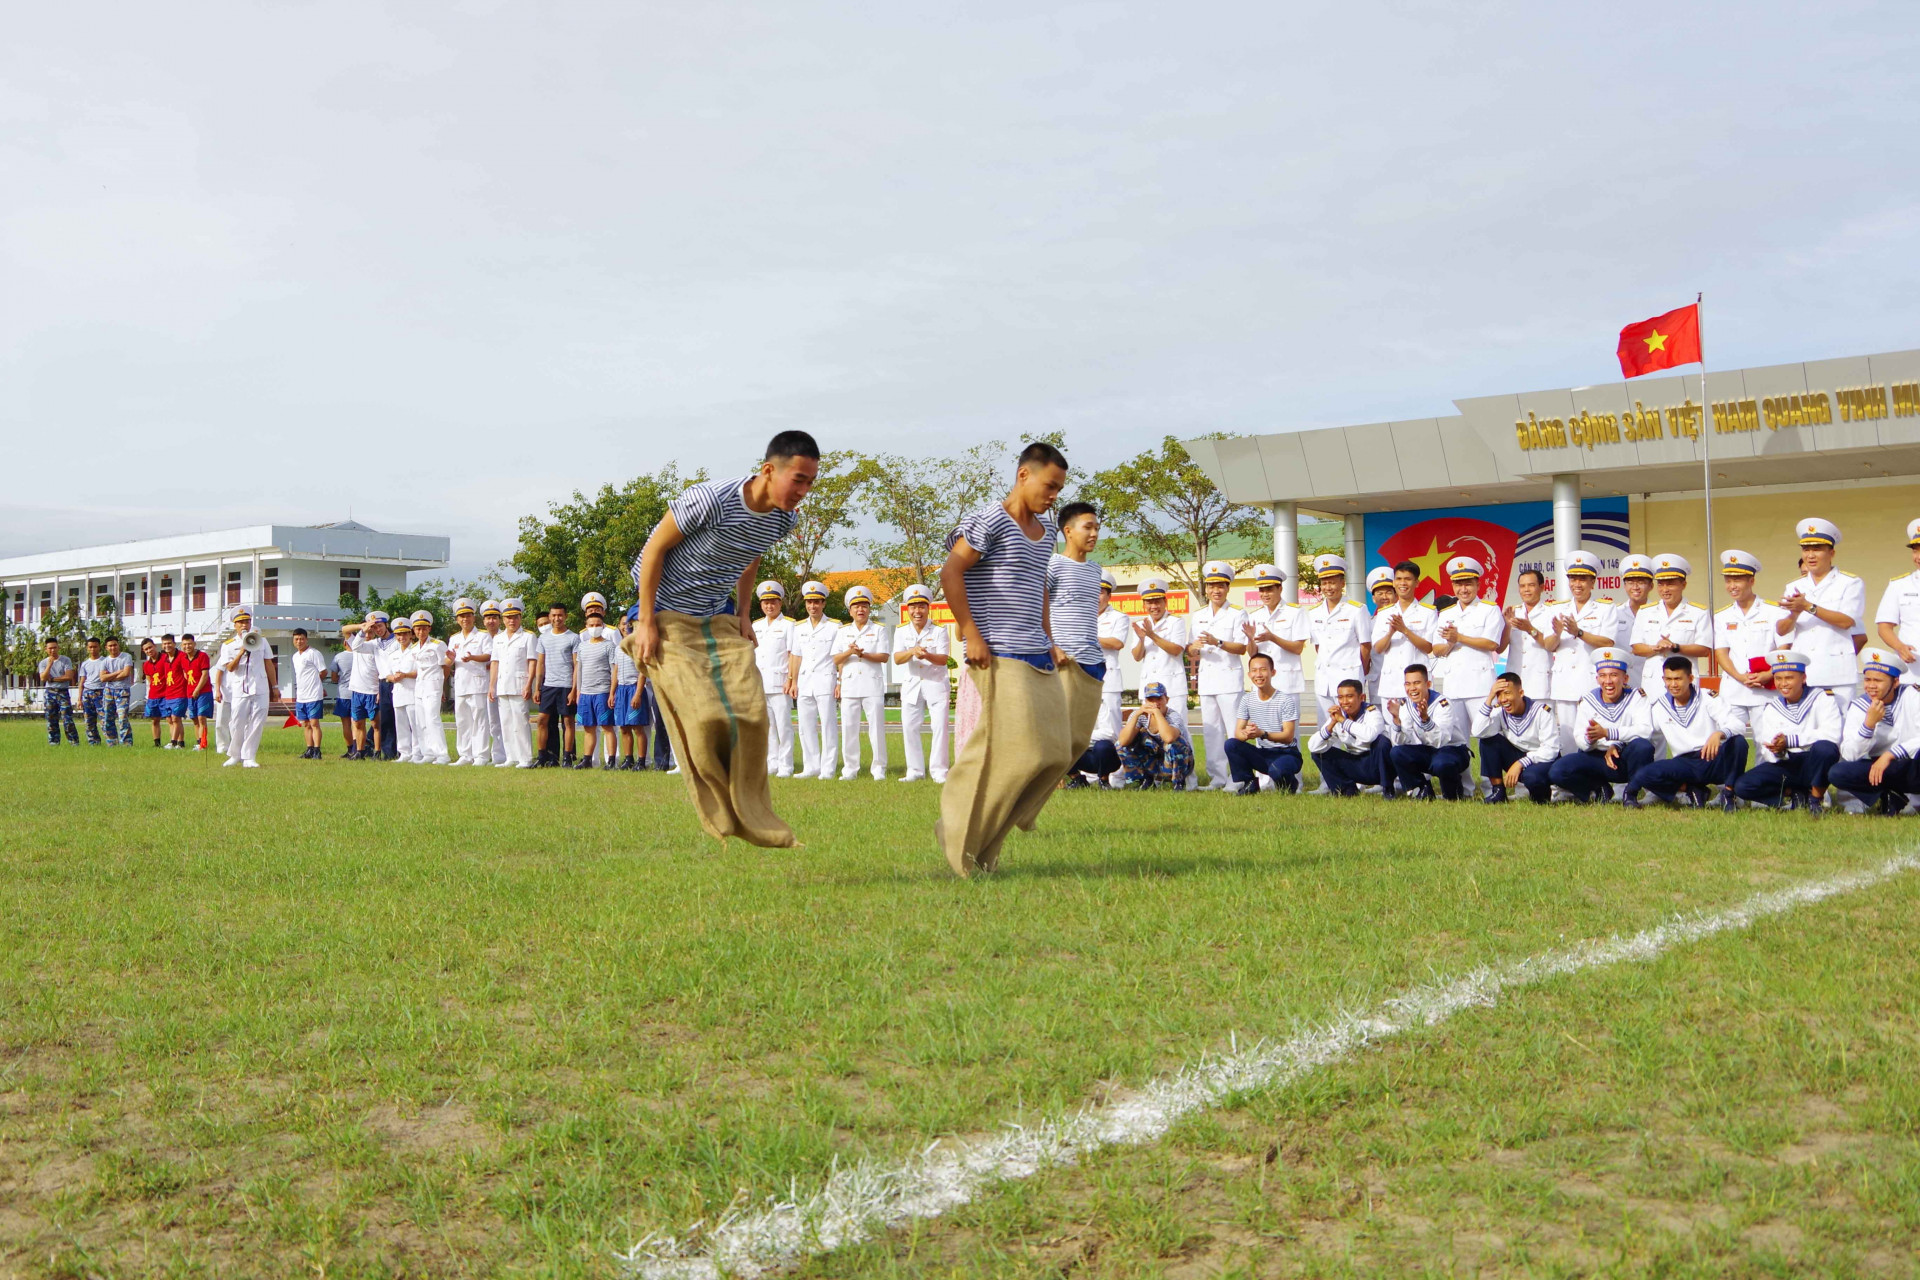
(155, 674)
(194, 672)
(174, 683)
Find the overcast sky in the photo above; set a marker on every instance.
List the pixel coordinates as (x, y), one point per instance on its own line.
(437, 265)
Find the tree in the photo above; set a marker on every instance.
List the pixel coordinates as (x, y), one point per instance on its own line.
(25, 645)
(590, 544)
(1166, 510)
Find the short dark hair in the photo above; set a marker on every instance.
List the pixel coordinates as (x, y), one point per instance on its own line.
(1510, 677)
(166, 635)
(1354, 685)
(50, 640)
(300, 631)
(1044, 454)
(1412, 667)
(1074, 510)
(556, 605)
(1532, 573)
(791, 444)
(113, 639)
(93, 639)
(1408, 566)
(1678, 662)
(1261, 657)
(187, 636)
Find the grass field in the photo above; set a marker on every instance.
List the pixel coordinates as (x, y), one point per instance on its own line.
(369, 1020)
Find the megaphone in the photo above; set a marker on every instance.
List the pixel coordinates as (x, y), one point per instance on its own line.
(253, 641)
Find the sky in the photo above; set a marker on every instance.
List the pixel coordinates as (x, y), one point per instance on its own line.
(435, 267)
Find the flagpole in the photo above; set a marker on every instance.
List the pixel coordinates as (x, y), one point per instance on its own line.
(1706, 454)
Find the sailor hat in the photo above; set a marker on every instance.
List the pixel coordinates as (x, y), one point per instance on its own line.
(1815, 532)
(1381, 577)
(420, 616)
(1216, 571)
(1669, 566)
(1583, 562)
(1787, 660)
(915, 594)
(858, 593)
(377, 615)
(1464, 567)
(1636, 567)
(1610, 659)
(1913, 533)
(1268, 575)
(1736, 561)
(813, 591)
(243, 612)
(1107, 580)
(1329, 563)
(1887, 664)
(1153, 589)
(513, 604)
(770, 590)
(592, 598)
(462, 605)
(489, 608)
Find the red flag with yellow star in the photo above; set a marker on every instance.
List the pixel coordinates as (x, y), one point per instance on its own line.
(1661, 343)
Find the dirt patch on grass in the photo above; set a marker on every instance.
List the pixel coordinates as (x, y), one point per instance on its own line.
(432, 1130)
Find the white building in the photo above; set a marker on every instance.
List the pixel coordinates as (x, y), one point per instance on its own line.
(292, 576)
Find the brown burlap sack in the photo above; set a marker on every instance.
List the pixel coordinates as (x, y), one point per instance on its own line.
(709, 693)
(1021, 746)
(1083, 710)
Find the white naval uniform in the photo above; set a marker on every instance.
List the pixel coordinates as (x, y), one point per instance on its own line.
(773, 645)
(923, 697)
(863, 692)
(1815, 718)
(1524, 654)
(246, 693)
(1687, 728)
(1440, 728)
(429, 689)
(1687, 624)
(222, 709)
(1390, 668)
(397, 661)
(1338, 634)
(1573, 659)
(1831, 660)
(1622, 721)
(1466, 673)
(1222, 679)
(472, 727)
(1113, 625)
(1355, 737)
(1898, 730)
(1900, 605)
(1745, 634)
(1535, 731)
(1636, 665)
(1289, 622)
(819, 716)
(513, 655)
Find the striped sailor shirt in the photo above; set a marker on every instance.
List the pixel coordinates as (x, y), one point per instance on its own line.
(1073, 608)
(719, 538)
(1270, 716)
(1007, 589)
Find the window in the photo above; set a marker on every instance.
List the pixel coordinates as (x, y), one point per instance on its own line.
(19, 606)
(166, 593)
(103, 601)
(233, 586)
(199, 590)
(350, 583)
(270, 586)
(143, 593)
(46, 601)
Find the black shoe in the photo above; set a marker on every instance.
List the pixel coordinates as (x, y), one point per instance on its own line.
(1729, 802)
(1497, 796)
(1891, 803)
(1075, 782)
(611, 762)
(1290, 784)
(1696, 798)
(586, 763)
(347, 754)
(1631, 802)
(1814, 805)
(1248, 788)
(566, 761)
(1422, 792)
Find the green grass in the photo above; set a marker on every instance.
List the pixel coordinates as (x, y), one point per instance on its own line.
(375, 1019)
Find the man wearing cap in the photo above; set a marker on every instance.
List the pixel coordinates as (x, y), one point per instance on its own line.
(593, 682)
(1279, 630)
(1614, 730)
(367, 641)
(1379, 600)
(1744, 633)
(1519, 741)
(816, 684)
(1427, 741)
(774, 655)
(1582, 623)
(1160, 646)
(1350, 747)
(1403, 627)
(1704, 747)
(1218, 647)
(1897, 620)
(397, 671)
(1153, 744)
(430, 666)
(471, 651)
(1340, 628)
(493, 624)
(1797, 731)
(1670, 625)
(1880, 737)
(920, 652)
(1636, 580)
(510, 684)
(1468, 634)
(1826, 612)
(251, 675)
(860, 651)
(1529, 621)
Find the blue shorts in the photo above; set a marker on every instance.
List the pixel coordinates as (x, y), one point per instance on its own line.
(200, 704)
(156, 708)
(343, 707)
(625, 714)
(594, 713)
(366, 706)
(310, 710)
(173, 706)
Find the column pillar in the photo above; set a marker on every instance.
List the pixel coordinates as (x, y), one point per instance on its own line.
(1356, 530)
(1566, 526)
(1286, 549)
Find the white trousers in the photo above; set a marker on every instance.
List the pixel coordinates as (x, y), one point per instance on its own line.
(1741, 716)
(499, 738)
(874, 707)
(222, 715)
(429, 732)
(246, 717)
(917, 707)
(819, 735)
(516, 732)
(1216, 726)
(403, 731)
(472, 732)
(1572, 725)
(780, 735)
(1107, 727)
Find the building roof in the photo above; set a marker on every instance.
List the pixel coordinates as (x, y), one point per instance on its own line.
(344, 541)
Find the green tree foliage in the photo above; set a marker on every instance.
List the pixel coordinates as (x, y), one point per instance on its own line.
(24, 645)
(590, 544)
(830, 508)
(1169, 513)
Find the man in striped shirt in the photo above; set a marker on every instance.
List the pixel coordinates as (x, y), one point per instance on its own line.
(1074, 602)
(697, 568)
(1265, 742)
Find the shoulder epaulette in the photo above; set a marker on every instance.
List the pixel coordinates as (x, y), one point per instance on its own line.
(1762, 600)
(1828, 692)
(1843, 573)
(1900, 578)
(1443, 702)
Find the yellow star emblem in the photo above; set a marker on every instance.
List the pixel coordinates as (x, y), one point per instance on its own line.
(1656, 341)
(1433, 565)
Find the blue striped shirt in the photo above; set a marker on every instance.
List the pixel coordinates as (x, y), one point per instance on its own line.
(720, 537)
(1006, 590)
(1270, 716)
(1073, 607)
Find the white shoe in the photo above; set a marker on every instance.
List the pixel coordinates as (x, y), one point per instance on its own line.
(806, 773)
(198, 747)
(913, 777)
(229, 764)
(452, 763)
(787, 774)
(939, 777)
(675, 769)
(249, 764)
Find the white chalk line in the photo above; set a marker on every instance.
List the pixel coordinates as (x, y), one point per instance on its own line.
(863, 1200)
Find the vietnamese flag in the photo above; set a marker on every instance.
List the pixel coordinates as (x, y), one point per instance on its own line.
(1661, 343)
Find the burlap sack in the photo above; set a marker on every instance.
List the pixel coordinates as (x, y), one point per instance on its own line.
(708, 691)
(1021, 746)
(1082, 693)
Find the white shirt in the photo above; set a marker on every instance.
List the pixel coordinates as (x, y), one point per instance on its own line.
(1534, 730)
(1438, 728)
(1289, 622)
(309, 675)
(1900, 605)
(1815, 718)
(1622, 721)
(813, 641)
(1573, 659)
(1829, 650)
(366, 661)
(1898, 730)
(394, 663)
(1687, 728)
(513, 653)
(1524, 654)
(860, 678)
(429, 660)
(249, 679)
(470, 677)
(1686, 623)
(1354, 737)
(1115, 625)
(1220, 671)
(1391, 666)
(1338, 633)
(1746, 635)
(1467, 672)
(1156, 663)
(773, 645)
(918, 672)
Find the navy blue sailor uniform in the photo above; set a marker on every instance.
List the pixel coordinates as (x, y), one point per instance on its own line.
(1353, 753)
(1530, 739)
(1897, 733)
(1685, 731)
(1627, 733)
(1428, 742)
(1812, 728)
